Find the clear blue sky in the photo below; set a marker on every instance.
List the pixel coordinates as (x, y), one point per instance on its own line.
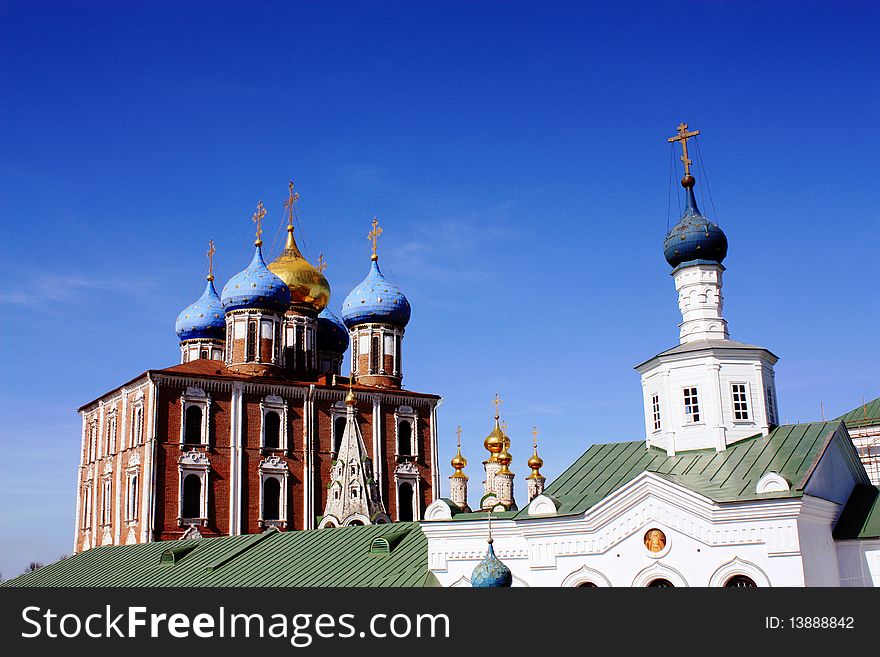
(516, 154)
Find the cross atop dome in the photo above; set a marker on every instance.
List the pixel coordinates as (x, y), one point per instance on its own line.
(683, 136)
(210, 254)
(290, 203)
(373, 236)
(258, 219)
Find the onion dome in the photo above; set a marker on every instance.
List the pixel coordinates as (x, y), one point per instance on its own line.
(332, 334)
(491, 572)
(459, 462)
(535, 462)
(375, 300)
(495, 441)
(256, 287)
(694, 237)
(204, 318)
(308, 287)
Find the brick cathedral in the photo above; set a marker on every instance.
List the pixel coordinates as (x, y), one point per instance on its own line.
(256, 427)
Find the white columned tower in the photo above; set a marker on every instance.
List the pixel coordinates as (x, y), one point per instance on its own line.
(709, 391)
(458, 481)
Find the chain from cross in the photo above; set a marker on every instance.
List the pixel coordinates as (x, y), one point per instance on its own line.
(258, 219)
(497, 401)
(210, 254)
(289, 204)
(373, 236)
(683, 136)
(322, 264)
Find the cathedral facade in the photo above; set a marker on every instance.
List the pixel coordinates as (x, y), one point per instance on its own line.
(252, 428)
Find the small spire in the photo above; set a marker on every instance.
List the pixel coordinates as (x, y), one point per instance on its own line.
(210, 254)
(458, 461)
(373, 236)
(350, 399)
(289, 206)
(535, 462)
(258, 219)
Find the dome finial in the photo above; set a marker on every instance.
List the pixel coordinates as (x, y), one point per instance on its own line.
(350, 399)
(458, 461)
(535, 462)
(210, 254)
(683, 135)
(289, 205)
(495, 441)
(258, 219)
(373, 236)
(322, 264)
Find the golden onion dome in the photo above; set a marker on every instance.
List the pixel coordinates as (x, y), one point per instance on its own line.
(495, 441)
(536, 462)
(459, 463)
(309, 289)
(504, 458)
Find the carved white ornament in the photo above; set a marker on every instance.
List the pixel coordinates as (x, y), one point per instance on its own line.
(772, 482)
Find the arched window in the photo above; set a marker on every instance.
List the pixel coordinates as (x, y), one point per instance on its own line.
(660, 583)
(338, 432)
(203, 353)
(271, 430)
(405, 502)
(192, 496)
(356, 523)
(271, 499)
(588, 585)
(250, 353)
(131, 507)
(192, 434)
(398, 361)
(740, 582)
(404, 438)
(374, 355)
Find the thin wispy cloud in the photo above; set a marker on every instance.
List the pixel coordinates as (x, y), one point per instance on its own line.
(66, 288)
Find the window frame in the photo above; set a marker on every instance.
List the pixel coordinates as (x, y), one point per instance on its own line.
(656, 414)
(747, 394)
(689, 419)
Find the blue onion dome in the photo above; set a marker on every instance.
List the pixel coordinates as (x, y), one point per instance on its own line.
(256, 287)
(332, 334)
(375, 299)
(204, 318)
(491, 572)
(694, 237)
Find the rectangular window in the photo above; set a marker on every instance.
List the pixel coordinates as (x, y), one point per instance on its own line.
(771, 406)
(691, 406)
(131, 501)
(740, 401)
(655, 409)
(106, 502)
(87, 507)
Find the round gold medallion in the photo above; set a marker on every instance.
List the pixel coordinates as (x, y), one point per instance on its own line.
(655, 540)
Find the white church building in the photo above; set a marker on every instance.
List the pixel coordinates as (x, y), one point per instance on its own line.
(718, 494)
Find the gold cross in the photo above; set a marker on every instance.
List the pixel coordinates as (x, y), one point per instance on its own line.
(683, 136)
(258, 219)
(322, 264)
(497, 401)
(535, 437)
(373, 236)
(210, 254)
(458, 433)
(290, 202)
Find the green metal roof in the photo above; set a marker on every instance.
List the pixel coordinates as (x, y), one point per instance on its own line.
(863, 415)
(339, 556)
(729, 476)
(860, 517)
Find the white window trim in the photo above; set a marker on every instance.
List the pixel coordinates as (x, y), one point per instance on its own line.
(409, 474)
(274, 467)
(137, 420)
(748, 392)
(112, 426)
(106, 518)
(88, 493)
(131, 501)
(195, 397)
(406, 414)
(197, 463)
(278, 405)
(685, 421)
(656, 413)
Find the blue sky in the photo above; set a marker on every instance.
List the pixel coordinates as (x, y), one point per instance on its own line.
(516, 154)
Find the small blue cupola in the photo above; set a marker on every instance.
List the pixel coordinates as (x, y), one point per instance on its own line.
(204, 318)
